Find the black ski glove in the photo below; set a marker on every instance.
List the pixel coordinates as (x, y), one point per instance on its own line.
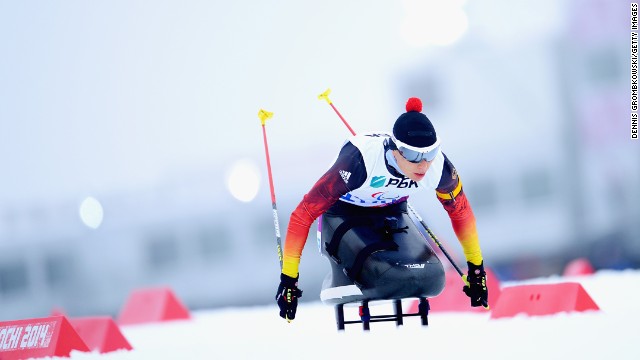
(476, 287)
(287, 297)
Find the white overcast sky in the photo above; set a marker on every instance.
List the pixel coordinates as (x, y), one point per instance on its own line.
(103, 95)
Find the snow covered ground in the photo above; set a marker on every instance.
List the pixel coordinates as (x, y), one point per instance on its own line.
(258, 332)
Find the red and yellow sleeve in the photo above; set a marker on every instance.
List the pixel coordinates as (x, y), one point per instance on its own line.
(463, 221)
(318, 200)
(324, 193)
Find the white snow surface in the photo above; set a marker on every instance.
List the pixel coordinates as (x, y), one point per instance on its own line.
(258, 332)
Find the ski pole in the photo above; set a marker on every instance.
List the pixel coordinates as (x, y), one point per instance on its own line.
(264, 116)
(444, 251)
(325, 96)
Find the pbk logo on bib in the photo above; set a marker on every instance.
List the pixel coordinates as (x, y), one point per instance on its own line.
(380, 181)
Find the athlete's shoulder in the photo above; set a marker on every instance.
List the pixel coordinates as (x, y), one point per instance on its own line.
(449, 178)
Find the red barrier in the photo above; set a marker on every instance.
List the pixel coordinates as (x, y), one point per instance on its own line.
(100, 333)
(542, 299)
(578, 267)
(152, 305)
(34, 338)
(454, 299)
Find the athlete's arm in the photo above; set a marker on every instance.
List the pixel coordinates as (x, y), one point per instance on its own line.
(454, 201)
(346, 174)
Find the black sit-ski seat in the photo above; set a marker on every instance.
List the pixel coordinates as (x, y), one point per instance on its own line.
(377, 254)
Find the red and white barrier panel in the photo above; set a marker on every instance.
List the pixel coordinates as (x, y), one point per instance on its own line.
(40, 337)
(543, 299)
(578, 267)
(152, 305)
(100, 333)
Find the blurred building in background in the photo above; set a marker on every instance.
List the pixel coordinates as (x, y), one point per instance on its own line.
(537, 121)
(530, 99)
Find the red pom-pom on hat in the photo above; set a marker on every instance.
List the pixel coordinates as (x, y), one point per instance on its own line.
(414, 104)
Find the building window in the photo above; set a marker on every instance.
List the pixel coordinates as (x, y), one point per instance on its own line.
(264, 232)
(14, 278)
(604, 66)
(483, 194)
(162, 251)
(536, 185)
(213, 242)
(60, 269)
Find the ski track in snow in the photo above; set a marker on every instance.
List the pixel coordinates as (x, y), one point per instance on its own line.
(258, 332)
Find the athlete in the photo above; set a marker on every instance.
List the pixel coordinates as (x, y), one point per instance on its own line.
(382, 171)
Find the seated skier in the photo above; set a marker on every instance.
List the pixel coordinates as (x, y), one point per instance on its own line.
(366, 230)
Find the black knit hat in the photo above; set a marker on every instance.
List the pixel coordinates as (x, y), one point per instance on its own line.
(413, 127)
